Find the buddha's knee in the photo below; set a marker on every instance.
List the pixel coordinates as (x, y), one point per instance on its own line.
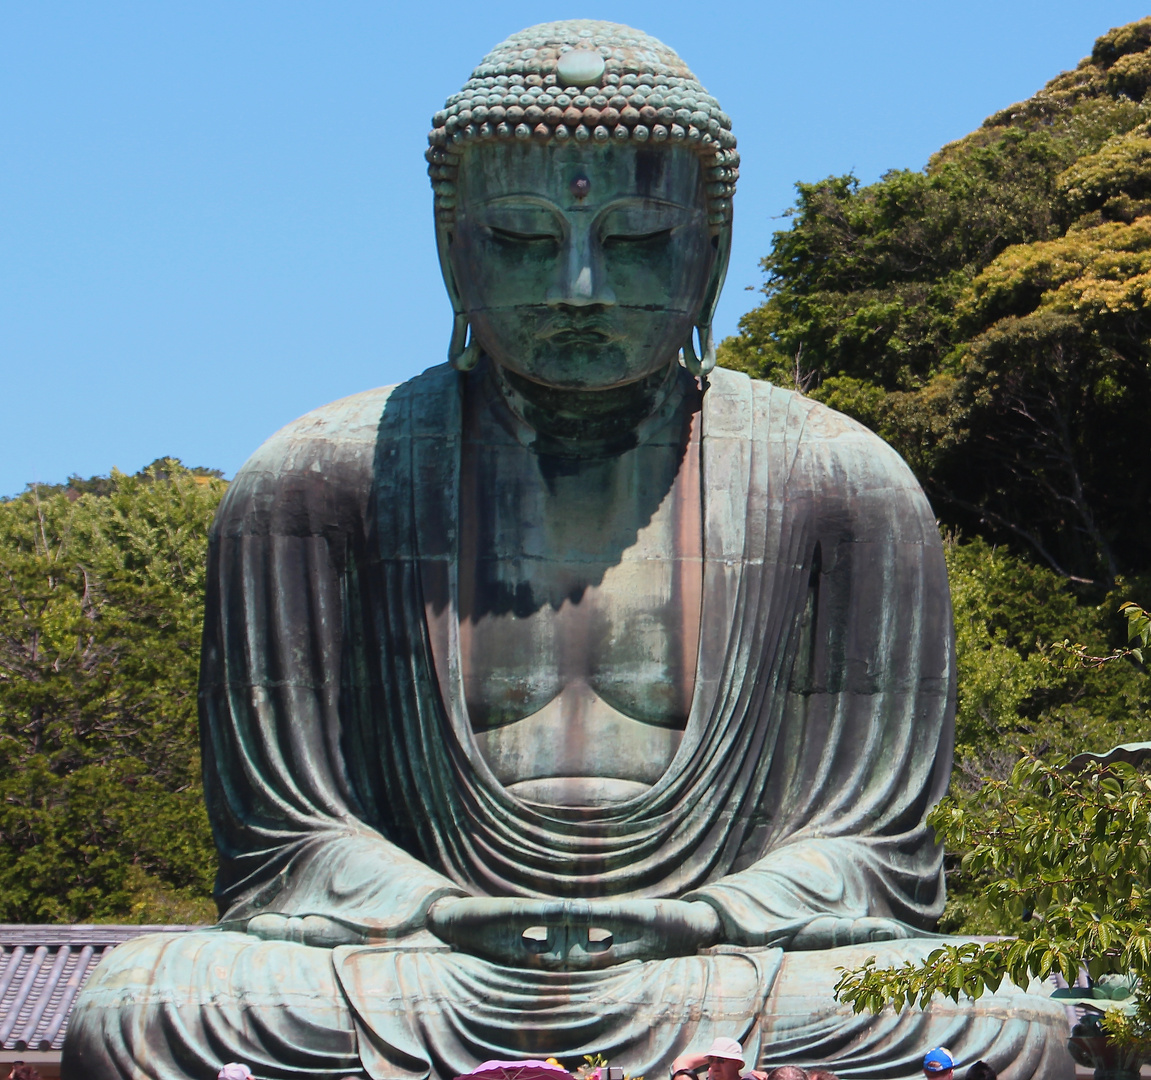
(813, 975)
(180, 1005)
(1021, 1034)
(115, 1013)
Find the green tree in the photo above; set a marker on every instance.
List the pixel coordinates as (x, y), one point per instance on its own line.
(101, 601)
(988, 316)
(1065, 853)
(1012, 618)
(1061, 851)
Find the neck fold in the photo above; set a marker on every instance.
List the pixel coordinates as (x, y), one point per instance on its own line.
(588, 423)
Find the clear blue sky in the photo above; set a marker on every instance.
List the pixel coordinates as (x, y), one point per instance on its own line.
(214, 215)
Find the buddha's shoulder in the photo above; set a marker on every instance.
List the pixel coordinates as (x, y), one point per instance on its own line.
(789, 421)
(342, 438)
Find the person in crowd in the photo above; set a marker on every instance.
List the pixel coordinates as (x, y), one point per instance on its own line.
(724, 1061)
(939, 1064)
(235, 1070)
(980, 1070)
(792, 1072)
(20, 1071)
(817, 1074)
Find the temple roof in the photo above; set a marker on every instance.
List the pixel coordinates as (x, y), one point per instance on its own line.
(42, 970)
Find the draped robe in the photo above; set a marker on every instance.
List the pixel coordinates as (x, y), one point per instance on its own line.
(342, 779)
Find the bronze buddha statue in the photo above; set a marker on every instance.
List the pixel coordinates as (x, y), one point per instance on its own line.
(572, 697)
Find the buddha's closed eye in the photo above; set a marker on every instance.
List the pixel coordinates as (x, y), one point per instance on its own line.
(623, 238)
(646, 223)
(514, 236)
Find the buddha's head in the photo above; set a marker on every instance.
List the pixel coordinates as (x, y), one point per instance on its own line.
(583, 182)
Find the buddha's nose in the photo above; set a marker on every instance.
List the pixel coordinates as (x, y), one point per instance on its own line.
(580, 280)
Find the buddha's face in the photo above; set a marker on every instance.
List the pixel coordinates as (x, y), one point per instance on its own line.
(583, 266)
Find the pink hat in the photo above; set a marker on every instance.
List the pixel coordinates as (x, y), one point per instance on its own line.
(234, 1070)
(723, 1047)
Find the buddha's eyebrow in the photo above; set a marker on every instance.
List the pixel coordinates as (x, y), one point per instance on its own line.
(542, 202)
(645, 202)
(533, 199)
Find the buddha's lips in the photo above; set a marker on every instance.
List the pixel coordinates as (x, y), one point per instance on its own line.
(564, 333)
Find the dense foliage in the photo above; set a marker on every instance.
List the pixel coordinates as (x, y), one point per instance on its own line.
(101, 600)
(1065, 853)
(1016, 693)
(990, 316)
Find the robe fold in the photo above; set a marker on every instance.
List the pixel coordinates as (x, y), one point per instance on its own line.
(343, 781)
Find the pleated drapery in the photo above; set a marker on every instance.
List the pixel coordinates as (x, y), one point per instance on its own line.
(342, 782)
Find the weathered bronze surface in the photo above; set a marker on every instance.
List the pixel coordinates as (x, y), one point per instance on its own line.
(566, 699)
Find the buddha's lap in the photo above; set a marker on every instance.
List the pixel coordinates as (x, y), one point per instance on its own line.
(1022, 1033)
(221, 981)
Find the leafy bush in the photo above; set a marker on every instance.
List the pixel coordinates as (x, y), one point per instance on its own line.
(1064, 852)
(101, 601)
(1012, 699)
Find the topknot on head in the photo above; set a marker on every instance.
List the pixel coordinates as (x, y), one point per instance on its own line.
(585, 81)
(537, 50)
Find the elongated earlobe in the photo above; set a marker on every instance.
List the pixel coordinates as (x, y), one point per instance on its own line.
(701, 364)
(706, 349)
(463, 355)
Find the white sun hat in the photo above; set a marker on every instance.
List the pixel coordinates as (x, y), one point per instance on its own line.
(723, 1047)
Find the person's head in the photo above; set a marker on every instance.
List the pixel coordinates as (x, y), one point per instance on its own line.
(235, 1070)
(980, 1070)
(789, 1072)
(724, 1059)
(583, 182)
(21, 1071)
(820, 1074)
(938, 1064)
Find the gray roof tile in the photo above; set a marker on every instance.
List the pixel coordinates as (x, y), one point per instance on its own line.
(42, 969)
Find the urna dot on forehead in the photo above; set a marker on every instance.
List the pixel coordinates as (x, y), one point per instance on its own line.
(584, 81)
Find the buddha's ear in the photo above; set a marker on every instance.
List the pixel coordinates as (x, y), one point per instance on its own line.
(721, 243)
(462, 354)
(444, 250)
(702, 363)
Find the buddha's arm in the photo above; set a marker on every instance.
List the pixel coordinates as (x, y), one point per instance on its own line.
(285, 815)
(865, 736)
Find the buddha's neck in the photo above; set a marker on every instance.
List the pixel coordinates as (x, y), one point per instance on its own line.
(588, 422)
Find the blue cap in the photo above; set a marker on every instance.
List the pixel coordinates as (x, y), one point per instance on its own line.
(938, 1060)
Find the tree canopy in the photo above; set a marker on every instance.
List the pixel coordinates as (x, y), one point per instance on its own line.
(1063, 852)
(101, 600)
(990, 316)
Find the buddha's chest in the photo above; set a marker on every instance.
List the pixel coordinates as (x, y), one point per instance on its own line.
(579, 602)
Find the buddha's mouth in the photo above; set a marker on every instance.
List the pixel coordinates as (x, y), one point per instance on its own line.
(577, 337)
(561, 332)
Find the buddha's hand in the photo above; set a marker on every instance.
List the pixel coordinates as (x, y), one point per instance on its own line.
(573, 935)
(313, 930)
(832, 931)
